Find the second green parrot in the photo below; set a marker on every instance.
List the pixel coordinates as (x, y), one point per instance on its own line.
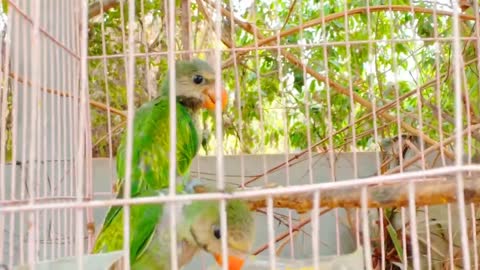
(198, 228)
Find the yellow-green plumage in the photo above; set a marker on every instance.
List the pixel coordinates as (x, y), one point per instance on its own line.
(196, 225)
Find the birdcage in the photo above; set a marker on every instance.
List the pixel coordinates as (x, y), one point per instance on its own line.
(351, 133)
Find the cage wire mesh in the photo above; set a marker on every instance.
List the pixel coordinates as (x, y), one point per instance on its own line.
(351, 132)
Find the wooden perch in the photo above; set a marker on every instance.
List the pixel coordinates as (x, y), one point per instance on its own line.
(431, 191)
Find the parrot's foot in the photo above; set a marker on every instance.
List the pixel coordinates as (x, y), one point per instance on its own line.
(195, 185)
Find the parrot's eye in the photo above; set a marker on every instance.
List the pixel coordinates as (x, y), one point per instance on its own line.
(216, 232)
(197, 79)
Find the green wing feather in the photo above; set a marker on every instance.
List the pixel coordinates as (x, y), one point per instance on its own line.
(143, 222)
(149, 235)
(151, 146)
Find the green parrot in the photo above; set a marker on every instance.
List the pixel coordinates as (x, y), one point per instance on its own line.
(194, 81)
(198, 228)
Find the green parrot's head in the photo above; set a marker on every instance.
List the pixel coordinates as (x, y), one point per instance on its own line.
(195, 85)
(206, 234)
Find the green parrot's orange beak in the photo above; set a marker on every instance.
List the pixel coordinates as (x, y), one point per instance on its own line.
(209, 99)
(234, 263)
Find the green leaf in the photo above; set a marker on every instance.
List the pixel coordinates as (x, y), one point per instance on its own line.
(396, 241)
(5, 6)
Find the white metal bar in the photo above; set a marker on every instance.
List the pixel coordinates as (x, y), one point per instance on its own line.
(80, 152)
(23, 173)
(451, 255)
(427, 235)
(69, 171)
(404, 237)
(474, 235)
(371, 92)
(413, 226)
(15, 69)
(57, 149)
(271, 234)
(315, 230)
(170, 7)
(36, 229)
(44, 148)
(411, 188)
(88, 155)
(70, 150)
(130, 72)
(32, 156)
(352, 119)
(366, 230)
(107, 97)
(75, 110)
(107, 94)
(3, 128)
(238, 94)
(457, 84)
(477, 47)
(223, 232)
(54, 182)
(260, 102)
(3, 131)
(440, 125)
(145, 45)
(286, 147)
(11, 240)
(357, 227)
(220, 172)
(331, 147)
(307, 98)
(382, 238)
(70, 236)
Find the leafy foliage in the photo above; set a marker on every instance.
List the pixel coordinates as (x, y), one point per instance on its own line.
(378, 56)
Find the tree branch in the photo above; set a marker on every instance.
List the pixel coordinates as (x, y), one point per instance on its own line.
(186, 29)
(93, 103)
(431, 191)
(96, 8)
